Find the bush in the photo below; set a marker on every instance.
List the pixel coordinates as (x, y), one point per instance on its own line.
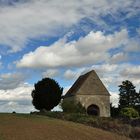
(137, 107)
(135, 122)
(110, 124)
(128, 112)
(70, 106)
(114, 111)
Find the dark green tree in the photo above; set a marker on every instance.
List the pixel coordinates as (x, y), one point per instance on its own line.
(137, 107)
(46, 94)
(138, 98)
(114, 111)
(128, 95)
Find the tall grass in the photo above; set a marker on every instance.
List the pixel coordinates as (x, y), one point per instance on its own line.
(1, 137)
(118, 126)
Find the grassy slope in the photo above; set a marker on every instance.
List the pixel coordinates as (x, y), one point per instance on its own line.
(28, 127)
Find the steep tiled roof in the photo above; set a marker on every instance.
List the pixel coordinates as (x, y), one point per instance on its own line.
(88, 83)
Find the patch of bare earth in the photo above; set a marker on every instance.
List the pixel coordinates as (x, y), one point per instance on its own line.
(27, 127)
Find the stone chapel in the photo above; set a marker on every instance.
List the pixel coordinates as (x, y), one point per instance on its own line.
(91, 93)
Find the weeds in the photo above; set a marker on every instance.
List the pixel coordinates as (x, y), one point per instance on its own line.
(129, 128)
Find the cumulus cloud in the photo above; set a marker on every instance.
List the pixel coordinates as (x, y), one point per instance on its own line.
(11, 2)
(23, 20)
(11, 80)
(119, 73)
(106, 72)
(50, 73)
(72, 75)
(111, 75)
(69, 74)
(22, 92)
(10, 106)
(119, 57)
(114, 99)
(100, 69)
(133, 71)
(17, 99)
(32, 19)
(133, 45)
(90, 49)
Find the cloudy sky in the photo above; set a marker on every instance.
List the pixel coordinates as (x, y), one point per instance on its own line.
(64, 39)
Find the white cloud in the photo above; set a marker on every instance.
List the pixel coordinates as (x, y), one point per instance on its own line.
(106, 72)
(21, 92)
(100, 69)
(50, 73)
(69, 74)
(133, 45)
(105, 68)
(18, 99)
(34, 18)
(90, 49)
(114, 99)
(121, 73)
(131, 71)
(11, 80)
(119, 57)
(111, 75)
(11, 2)
(10, 106)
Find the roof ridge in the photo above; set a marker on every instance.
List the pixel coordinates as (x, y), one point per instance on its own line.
(79, 84)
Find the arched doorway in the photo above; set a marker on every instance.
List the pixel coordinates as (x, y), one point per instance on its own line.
(93, 110)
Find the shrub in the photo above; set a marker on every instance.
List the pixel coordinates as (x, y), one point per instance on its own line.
(110, 124)
(128, 112)
(137, 107)
(70, 106)
(114, 111)
(135, 122)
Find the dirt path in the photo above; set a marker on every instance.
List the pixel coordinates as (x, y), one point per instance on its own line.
(26, 127)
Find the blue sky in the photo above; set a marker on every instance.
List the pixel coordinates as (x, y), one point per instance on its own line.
(63, 40)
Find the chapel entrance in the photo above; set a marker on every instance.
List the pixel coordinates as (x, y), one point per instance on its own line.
(93, 110)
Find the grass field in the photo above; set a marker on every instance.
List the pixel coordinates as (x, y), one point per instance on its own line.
(33, 127)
